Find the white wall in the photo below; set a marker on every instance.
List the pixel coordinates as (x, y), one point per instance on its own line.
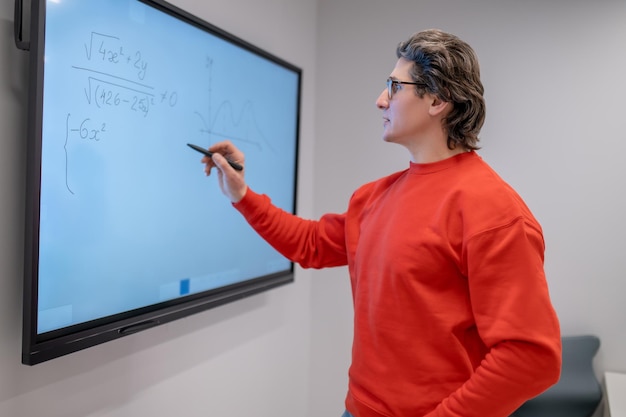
(555, 88)
(248, 358)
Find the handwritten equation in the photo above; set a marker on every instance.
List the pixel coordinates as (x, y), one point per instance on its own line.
(86, 129)
(107, 91)
(116, 78)
(109, 49)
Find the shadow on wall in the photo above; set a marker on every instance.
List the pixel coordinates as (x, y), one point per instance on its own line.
(13, 90)
(126, 366)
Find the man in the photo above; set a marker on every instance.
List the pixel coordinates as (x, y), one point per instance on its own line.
(452, 315)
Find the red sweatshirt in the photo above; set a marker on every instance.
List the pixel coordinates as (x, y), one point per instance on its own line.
(452, 315)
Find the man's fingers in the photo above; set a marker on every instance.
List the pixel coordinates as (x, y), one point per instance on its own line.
(220, 161)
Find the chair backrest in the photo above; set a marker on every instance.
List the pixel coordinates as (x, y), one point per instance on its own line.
(578, 392)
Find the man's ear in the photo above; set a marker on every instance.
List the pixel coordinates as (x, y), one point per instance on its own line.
(439, 107)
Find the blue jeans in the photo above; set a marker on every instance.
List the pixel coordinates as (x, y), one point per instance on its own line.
(346, 414)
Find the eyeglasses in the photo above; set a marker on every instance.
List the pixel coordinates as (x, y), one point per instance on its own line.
(393, 86)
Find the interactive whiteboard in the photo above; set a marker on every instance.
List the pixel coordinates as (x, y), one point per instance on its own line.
(126, 223)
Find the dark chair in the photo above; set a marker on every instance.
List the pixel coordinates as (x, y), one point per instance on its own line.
(578, 392)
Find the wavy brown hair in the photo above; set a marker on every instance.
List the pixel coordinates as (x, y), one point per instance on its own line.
(448, 68)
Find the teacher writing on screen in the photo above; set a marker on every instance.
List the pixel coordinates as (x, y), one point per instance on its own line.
(452, 315)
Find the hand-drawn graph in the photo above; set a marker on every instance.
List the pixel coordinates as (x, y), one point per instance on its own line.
(227, 122)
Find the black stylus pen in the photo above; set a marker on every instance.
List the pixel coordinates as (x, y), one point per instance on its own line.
(208, 153)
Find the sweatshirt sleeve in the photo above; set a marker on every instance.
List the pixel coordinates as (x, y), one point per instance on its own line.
(515, 320)
(311, 244)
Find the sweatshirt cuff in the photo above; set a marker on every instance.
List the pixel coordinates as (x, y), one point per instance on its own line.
(249, 203)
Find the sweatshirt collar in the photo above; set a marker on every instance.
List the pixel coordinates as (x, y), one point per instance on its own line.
(432, 167)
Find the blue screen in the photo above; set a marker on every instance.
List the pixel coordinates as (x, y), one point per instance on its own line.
(127, 217)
